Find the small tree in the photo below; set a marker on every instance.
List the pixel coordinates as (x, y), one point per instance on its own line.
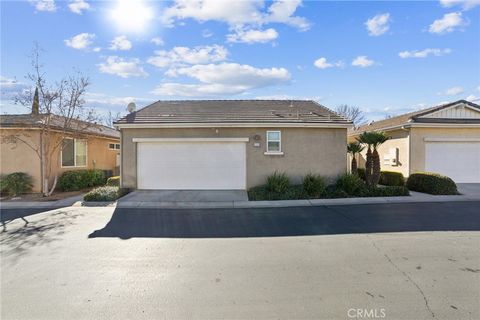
(60, 112)
(372, 166)
(352, 113)
(354, 148)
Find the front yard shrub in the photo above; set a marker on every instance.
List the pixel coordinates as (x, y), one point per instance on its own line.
(16, 183)
(113, 181)
(432, 183)
(351, 184)
(277, 182)
(391, 178)
(361, 173)
(388, 191)
(107, 193)
(80, 179)
(314, 185)
(260, 193)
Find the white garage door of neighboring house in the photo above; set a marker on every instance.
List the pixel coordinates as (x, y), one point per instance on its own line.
(179, 164)
(457, 160)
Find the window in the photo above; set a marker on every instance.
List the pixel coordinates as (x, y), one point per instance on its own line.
(274, 144)
(114, 146)
(74, 153)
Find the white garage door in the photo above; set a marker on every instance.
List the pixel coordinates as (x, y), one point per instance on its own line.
(457, 160)
(191, 165)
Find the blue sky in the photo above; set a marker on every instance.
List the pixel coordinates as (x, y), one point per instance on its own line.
(387, 57)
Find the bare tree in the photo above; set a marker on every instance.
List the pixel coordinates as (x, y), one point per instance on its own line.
(354, 114)
(110, 118)
(59, 112)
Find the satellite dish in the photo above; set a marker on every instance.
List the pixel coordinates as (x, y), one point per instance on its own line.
(131, 107)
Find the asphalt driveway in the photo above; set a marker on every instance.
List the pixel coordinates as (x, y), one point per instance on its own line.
(413, 261)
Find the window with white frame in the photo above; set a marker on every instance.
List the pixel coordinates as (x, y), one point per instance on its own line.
(74, 153)
(114, 146)
(274, 143)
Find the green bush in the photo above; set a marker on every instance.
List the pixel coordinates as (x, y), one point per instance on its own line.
(332, 191)
(431, 183)
(80, 179)
(351, 184)
(313, 185)
(391, 178)
(277, 182)
(388, 191)
(113, 181)
(108, 193)
(361, 173)
(260, 193)
(16, 183)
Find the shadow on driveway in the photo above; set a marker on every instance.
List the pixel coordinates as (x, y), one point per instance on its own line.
(299, 221)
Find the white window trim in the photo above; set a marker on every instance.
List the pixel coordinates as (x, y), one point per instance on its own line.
(114, 146)
(276, 153)
(74, 154)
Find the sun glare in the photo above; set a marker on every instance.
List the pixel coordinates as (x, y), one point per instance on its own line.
(131, 15)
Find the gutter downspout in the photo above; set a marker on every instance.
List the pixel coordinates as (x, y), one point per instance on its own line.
(409, 146)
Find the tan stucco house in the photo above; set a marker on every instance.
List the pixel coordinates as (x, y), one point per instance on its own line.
(444, 139)
(82, 146)
(229, 144)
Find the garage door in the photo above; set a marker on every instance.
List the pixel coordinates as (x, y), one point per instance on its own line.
(191, 165)
(457, 160)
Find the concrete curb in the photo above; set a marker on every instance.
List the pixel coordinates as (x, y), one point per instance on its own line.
(414, 198)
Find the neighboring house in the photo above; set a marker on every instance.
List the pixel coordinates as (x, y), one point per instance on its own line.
(443, 139)
(229, 144)
(83, 146)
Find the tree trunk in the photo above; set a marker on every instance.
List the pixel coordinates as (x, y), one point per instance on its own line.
(53, 186)
(368, 167)
(375, 167)
(354, 165)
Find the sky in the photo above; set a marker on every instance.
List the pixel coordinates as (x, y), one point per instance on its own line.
(386, 57)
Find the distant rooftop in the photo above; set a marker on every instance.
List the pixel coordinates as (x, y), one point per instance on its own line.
(233, 111)
(56, 122)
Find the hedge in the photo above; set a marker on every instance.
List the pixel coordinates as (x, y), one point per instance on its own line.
(81, 179)
(15, 184)
(391, 178)
(432, 183)
(105, 194)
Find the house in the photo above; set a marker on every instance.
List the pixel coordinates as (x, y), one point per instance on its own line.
(78, 145)
(444, 139)
(229, 144)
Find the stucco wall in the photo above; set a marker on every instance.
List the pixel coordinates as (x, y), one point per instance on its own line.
(398, 139)
(20, 158)
(316, 150)
(418, 143)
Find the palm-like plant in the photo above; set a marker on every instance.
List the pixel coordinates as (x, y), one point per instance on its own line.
(353, 148)
(377, 139)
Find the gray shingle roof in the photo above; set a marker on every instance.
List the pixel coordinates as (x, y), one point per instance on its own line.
(56, 122)
(233, 111)
(415, 117)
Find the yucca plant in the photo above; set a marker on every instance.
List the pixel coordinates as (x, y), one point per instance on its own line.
(372, 167)
(366, 138)
(354, 148)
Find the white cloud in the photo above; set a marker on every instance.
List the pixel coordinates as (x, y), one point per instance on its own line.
(157, 41)
(185, 55)
(424, 53)
(44, 5)
(100, 98)
(223, 79)
(466, 4)
(453, 91)
(97, 49)
(80, 41)
(77, 6)
(10, 88)
(362, 62)
(207, 33)
(322, 63)
(378, 25)
(472, 98)
(236, 13)
(120, 43)
(448, 23)
(122, 67)
(252, 36)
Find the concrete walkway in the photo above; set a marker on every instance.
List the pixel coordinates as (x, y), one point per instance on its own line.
(67, 202)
